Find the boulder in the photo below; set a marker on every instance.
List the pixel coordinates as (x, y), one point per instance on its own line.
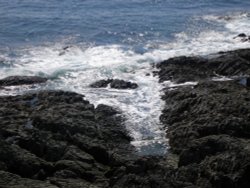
(121, 84)
(101, 83)
(114, 83)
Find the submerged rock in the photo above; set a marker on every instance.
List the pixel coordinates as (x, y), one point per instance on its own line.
(22, 80)
(114, 83)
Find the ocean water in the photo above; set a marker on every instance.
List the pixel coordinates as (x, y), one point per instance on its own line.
(115, 39)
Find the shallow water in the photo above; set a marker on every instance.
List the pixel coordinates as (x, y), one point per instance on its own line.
(115, 39)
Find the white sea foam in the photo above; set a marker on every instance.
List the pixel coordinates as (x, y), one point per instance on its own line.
(169, 84)
(235, 23)
(78, 66)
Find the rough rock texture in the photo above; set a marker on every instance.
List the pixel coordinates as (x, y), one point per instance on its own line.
(101, 83)
(208, 124)
(183, 69)
(56, 139)
(114, 83)
(21, 80)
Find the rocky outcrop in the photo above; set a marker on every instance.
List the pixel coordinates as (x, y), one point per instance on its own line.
(114, 83)
(21, 80)
(243, 37)
(57, 139)
(208, 125)
(184, 69)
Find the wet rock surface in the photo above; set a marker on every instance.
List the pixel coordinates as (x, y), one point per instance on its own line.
(208, 125)
(21, 80)
(243, 37)
(184, 69)
(57, 139)
(114, 83)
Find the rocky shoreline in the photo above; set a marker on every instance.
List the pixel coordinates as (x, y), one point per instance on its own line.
(208, 123)
(57, 139)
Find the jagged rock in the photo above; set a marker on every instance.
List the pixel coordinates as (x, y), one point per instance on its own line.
(101, 83)
(57, 139)
(57, 136)
(22, 80)
(184, 69)
(208, 124)
(121, 84)
(8, 180)
(114, 83)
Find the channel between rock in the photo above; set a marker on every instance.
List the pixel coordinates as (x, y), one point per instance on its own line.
(58, 139)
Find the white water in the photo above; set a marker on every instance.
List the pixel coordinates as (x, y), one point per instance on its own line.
(82, 65)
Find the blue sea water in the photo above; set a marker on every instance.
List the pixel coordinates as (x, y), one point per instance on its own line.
(131, 22)
(115, 39)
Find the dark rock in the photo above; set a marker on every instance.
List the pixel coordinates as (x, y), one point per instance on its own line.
(22, 80)
(144, 172)
(183, 69)
(242, 35)
(114, 83)
(58, 136)
(208, 124)
(101, 83)
(121, 84)
(58, 139)
(105, 110)
(21, 162)
(9, 180)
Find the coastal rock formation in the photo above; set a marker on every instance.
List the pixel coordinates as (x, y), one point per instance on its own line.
(184, 69)
(243, 37)
(101, 83)
(57, 139)
(208, 125)
(114, 83)
(21, 80)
